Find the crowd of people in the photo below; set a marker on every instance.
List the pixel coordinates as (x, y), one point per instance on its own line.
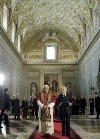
(42, 107)
(23, 107)
(79, 105)
(16, 107)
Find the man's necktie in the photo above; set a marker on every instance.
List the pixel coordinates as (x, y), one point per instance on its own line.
(64, 97)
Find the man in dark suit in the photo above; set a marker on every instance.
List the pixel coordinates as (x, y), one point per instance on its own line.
(25, 107)
(17, 108)
(64, 102)
(1, 104)
(12, 104)
(91, 101)
(97, 104)
(6, 106)
(82, 105)
(33, 102)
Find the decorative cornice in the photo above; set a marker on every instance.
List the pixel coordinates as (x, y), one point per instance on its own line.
(8, 41)
(51, 66)
(94, 40)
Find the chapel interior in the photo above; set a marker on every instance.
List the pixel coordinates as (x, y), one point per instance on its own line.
(54, 42)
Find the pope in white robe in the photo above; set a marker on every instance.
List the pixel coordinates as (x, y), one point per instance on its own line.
(46, 102)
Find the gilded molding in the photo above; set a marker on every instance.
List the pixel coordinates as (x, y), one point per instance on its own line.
(54, 67)
(68, 74)
(64, 57)
(35, 57)
(33, 74)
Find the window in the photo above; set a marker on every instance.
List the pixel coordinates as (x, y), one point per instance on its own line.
(13, 32)
(82, 43)
(96, 19)
(19, 39)
(5, 17)
(51, 51)
(88, 34)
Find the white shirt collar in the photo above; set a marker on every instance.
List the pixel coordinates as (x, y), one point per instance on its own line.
(64, 94)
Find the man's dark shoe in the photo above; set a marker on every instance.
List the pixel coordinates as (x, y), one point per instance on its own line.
(7, 125)
(68, 136)
(18, 119)
(97, 118)
(62, 134)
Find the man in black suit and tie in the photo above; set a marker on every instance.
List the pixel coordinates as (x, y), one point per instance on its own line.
(5, 106)
(17, 108)
(1, 104)
(64, 102)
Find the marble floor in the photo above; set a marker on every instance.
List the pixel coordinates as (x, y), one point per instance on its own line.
(87, 127)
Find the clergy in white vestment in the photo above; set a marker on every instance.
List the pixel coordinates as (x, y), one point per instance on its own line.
(46, 101)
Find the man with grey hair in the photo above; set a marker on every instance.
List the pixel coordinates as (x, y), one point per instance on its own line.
(64, 103)
(46, 101)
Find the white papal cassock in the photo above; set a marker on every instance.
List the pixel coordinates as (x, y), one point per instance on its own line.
(46, 124)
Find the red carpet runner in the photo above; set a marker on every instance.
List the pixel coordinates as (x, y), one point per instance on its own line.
(56, 135)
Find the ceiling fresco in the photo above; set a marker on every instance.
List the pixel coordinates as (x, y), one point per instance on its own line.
(67, 18)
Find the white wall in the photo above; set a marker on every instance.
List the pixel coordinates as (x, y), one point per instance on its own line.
(88, 71)
(11, 67)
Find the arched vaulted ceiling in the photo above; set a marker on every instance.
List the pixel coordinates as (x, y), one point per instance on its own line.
(67, 18)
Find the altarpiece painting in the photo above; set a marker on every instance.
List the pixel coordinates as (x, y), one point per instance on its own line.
(52, 80)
